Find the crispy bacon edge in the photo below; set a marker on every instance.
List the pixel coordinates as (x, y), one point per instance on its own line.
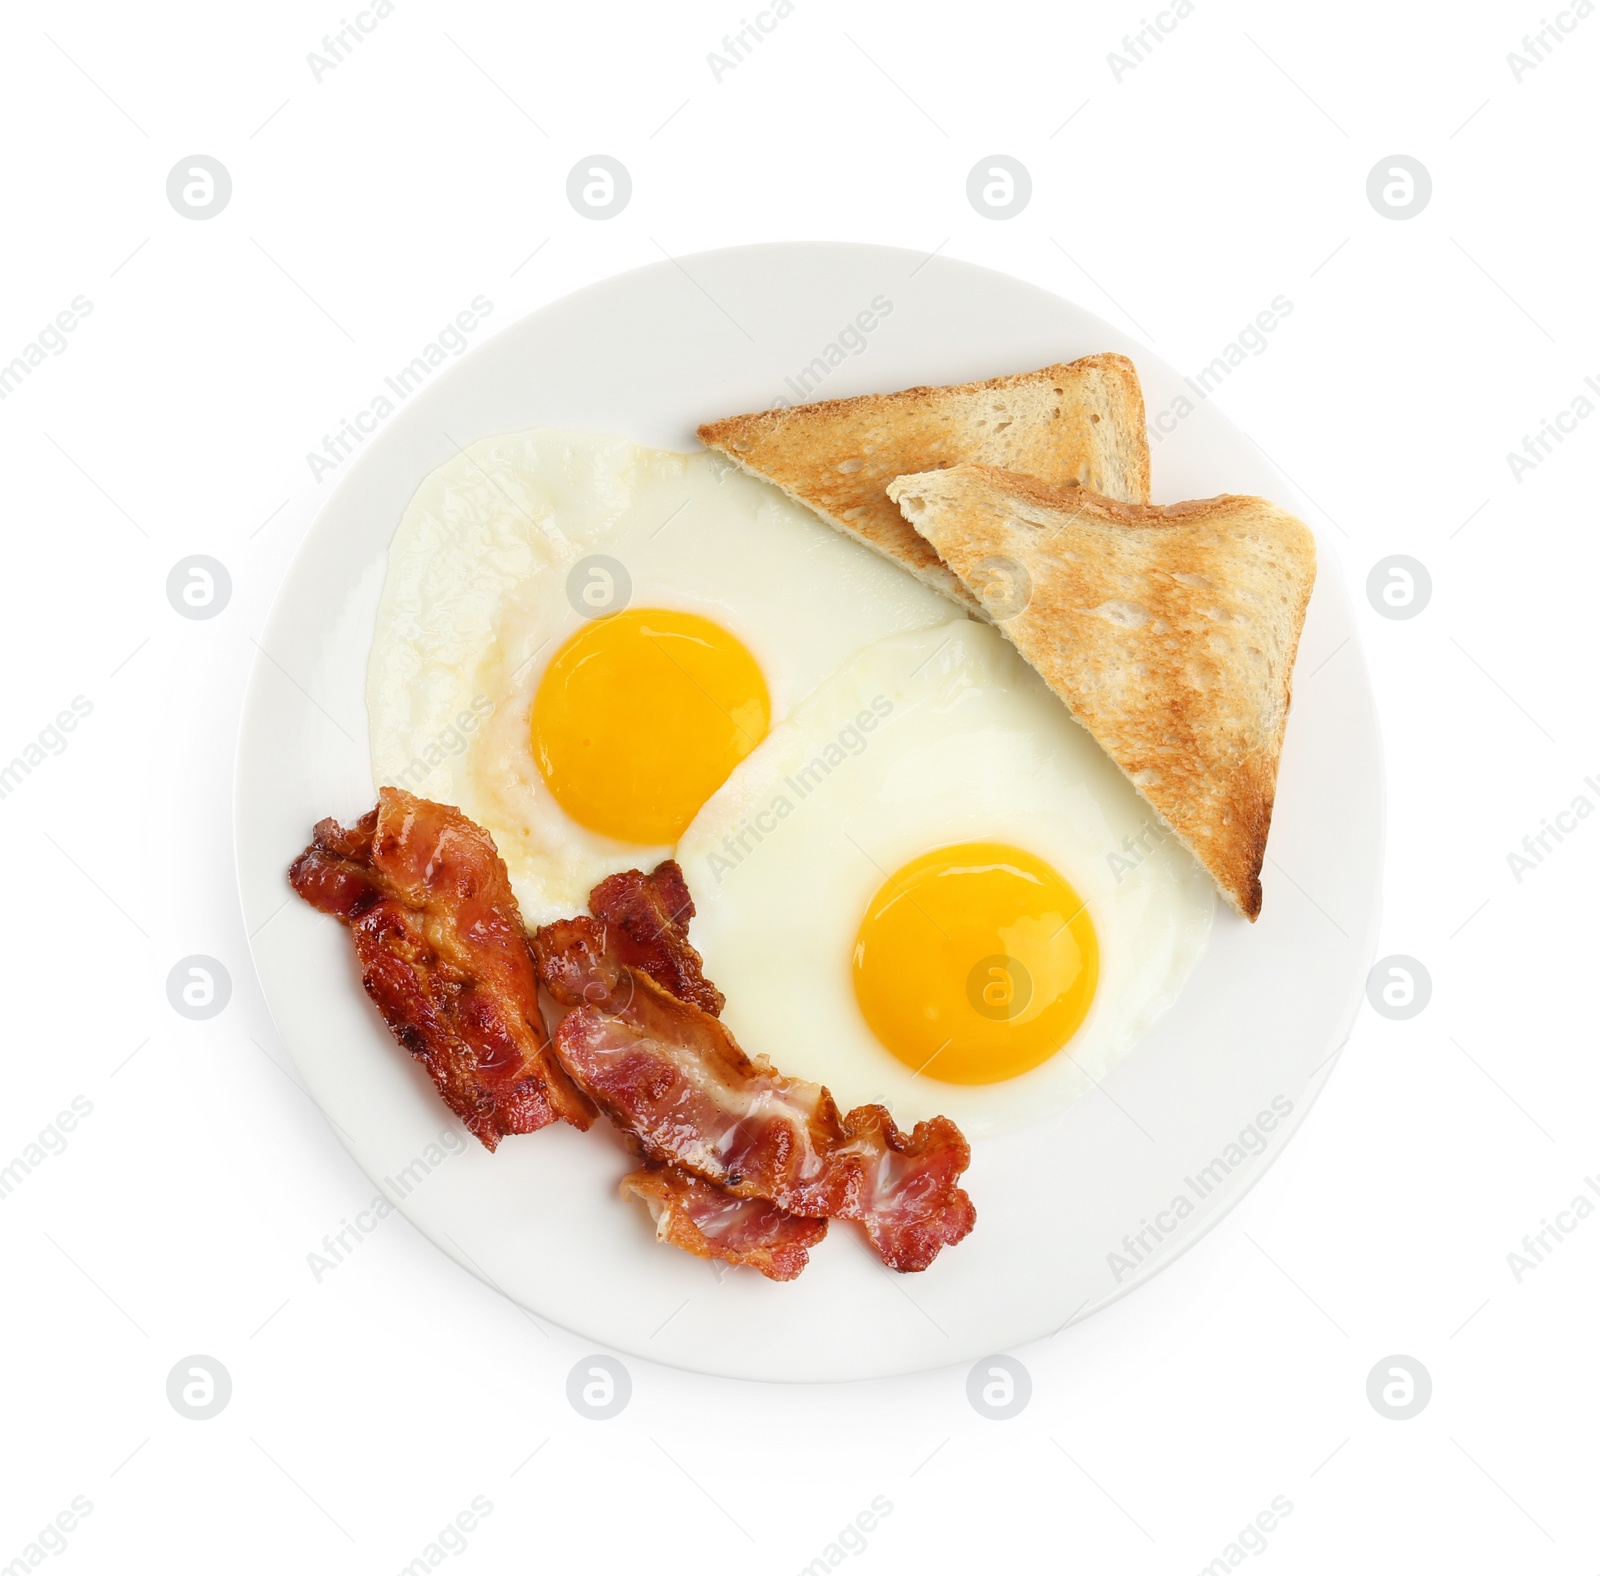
(647, 928)
(444, 956)
(647, 919)
(672, 1075)
(712, 1223)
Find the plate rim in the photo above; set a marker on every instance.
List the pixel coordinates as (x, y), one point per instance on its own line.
(1330, 561)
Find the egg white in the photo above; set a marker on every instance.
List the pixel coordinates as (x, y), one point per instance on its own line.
(926, 739)
(475, 604)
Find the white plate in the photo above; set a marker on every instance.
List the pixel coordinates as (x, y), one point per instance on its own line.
(649, 355)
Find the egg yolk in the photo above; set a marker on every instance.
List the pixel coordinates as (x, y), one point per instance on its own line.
(641, 716)
(975, 963)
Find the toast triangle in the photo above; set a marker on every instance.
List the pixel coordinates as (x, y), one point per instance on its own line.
(1073, 423)
(1170, 634)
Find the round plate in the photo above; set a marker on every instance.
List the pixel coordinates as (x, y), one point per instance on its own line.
(1071, 1213)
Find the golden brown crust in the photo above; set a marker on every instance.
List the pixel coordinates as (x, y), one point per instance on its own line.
(1170, 633)
(1079, 422)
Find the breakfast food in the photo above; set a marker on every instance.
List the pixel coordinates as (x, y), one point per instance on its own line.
(648, 919)
(444, 956)
(643, 932)
(586, 742)
(1042, 904)
(1170, 634)
(949, 868)
(674, 1077)
(709, 1222)
(1079, 422)
(741, 1163)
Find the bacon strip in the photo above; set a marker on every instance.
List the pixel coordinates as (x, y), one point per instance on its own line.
(708, 1221)
(669, 1073)
(741, 1163)
(647, 919)
(444, 955)
(647, 927)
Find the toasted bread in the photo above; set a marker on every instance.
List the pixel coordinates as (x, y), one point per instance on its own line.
(1075, 423)
(1170, 634)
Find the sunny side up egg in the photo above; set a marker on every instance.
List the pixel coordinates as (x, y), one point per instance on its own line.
(917, 878)
(578, 640)
(929, 879)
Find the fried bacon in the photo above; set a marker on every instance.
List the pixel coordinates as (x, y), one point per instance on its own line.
(706, 1220)
(740, 1163)
(647, 928)
(444, 956)
(647, 919)
(669, 1073)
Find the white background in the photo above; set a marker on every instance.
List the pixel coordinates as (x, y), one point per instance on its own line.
(368, 208)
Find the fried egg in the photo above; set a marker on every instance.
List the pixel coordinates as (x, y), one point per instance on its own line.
(579, 639)
(929, 888)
